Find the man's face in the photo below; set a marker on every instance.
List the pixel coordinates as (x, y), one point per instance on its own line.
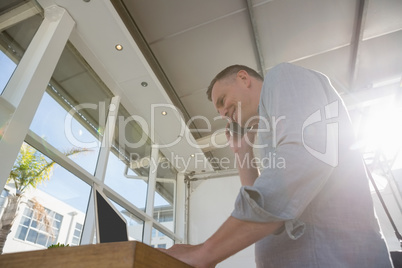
(231, 99)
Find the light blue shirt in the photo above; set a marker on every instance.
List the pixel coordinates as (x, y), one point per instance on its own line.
(311, 179)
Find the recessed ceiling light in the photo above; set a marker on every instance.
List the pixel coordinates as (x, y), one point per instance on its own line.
(192, 155)
(144, 84)
(164, 113)
(119, 47)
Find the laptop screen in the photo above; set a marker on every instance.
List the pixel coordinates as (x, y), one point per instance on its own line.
(110, 224)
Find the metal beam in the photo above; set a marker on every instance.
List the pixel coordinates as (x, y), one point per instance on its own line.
(356, 41)
(18, 14)
(256, 38)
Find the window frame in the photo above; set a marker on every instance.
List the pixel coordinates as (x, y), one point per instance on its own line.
(34, 92)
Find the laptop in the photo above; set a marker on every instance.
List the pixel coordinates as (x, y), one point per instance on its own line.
(110, 224)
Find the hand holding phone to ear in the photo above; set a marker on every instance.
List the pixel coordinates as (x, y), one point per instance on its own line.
(240, 138)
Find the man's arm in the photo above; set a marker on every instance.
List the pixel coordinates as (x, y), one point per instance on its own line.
(248, 173)
(233, 236)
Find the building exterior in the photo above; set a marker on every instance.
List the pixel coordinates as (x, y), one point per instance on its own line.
(29, 232)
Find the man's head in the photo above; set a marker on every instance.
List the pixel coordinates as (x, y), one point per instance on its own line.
(235, 93)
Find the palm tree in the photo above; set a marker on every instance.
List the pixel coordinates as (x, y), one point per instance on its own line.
(30, 169)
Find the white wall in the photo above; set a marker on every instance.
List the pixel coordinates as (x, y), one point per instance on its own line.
(211, 203)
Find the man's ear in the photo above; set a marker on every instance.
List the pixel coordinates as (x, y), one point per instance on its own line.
(244, 78)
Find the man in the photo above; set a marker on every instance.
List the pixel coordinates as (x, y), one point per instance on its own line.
(315, 209)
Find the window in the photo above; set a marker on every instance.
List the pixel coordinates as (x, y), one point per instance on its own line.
(77, 234)
(72, 115)
(129, 160)
(15, 38)
(165, 193)
(160, 240)
(7, 68)
(62, 192)
(135, 226)
(39, 225)
(3, 197)
(163, 213)
(72, 112)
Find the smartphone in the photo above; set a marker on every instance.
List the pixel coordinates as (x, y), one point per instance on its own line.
(235, 129)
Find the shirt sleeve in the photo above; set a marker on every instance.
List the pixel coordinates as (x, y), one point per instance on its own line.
(294, 108)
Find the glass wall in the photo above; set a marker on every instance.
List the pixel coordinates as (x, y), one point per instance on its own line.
(66, 133)
(165, 194)
(160, 240)
(52, 201)
(16, 36)
(72, 113)
(129, 159)
(135, 226)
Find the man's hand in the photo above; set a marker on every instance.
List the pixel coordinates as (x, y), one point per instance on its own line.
(241, 144)
(190, 254)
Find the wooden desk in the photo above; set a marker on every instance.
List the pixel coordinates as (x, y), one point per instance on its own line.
(131, 254)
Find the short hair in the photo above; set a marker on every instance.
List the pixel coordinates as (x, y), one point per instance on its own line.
(227, 72)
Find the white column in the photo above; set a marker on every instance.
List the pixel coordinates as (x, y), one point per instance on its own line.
(181, 221)
(28, 83)
(107, 139)
(149, 208)
(88, 231)
(71, 229)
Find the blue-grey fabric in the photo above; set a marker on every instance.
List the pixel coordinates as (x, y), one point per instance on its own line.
(311, 178)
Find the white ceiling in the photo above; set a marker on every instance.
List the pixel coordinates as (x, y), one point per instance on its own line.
(178, 46)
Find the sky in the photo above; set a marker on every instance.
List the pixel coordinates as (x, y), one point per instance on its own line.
(49, 123)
